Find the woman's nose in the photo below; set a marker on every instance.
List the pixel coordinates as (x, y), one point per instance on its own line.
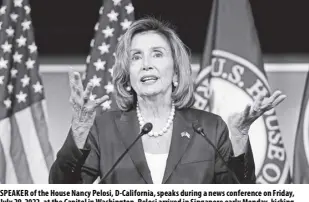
(148, 67)
(147, 64)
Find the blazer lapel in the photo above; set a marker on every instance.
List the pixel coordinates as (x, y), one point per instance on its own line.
(129, 129)
(182, 135)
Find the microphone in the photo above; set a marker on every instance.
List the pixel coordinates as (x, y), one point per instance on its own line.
(145, 129)
(199, 129)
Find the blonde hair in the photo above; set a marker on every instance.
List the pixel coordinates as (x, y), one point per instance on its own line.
(182, 95)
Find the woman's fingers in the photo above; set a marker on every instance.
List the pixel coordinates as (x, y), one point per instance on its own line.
(88, 91)
(78, 80)
(275, 95)
(75, 83)
(100, 100)
(276, 98)
(79, 98)
(75, 103)
(76, 92)
(258, 108)
(256, 105)
(279, 100)
(71, 81)
(78, 84)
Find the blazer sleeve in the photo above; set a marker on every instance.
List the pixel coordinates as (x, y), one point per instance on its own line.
(74, 165)
(242, 165)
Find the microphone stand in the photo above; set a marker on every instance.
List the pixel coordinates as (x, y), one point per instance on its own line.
(198, 128)
(146, 129)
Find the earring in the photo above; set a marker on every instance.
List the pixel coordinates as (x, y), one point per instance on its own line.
(128, 88)
(175, 83)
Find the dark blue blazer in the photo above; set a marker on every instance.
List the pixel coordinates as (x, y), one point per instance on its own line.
(190, 159)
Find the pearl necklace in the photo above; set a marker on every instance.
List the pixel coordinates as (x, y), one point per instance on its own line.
(166, 127)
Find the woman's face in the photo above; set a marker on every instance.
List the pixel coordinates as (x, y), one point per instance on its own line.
(151, 64)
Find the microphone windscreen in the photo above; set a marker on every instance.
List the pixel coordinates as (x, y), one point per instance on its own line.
(147, 128)
(197, 127)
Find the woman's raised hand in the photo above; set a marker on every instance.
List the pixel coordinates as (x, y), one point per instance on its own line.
(243, 120)
(83, 108)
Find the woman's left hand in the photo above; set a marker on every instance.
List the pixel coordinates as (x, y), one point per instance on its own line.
(242, 121)
(239, 123)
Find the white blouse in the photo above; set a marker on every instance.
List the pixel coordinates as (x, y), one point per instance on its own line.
(156, 164)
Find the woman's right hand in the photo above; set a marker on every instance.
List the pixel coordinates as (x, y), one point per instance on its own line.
(83, 108)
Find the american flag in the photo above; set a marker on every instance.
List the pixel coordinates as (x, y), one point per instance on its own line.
(115, 18)
(25, 151)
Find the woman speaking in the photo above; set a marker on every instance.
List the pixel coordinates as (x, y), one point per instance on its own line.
(153, 84)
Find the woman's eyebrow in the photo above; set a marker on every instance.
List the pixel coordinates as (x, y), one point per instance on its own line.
(135, 50)
(159, 47)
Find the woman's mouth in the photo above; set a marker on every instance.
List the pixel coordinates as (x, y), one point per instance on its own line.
(149, 79)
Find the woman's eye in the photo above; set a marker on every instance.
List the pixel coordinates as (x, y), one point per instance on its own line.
(157, 55)
(136, 57)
